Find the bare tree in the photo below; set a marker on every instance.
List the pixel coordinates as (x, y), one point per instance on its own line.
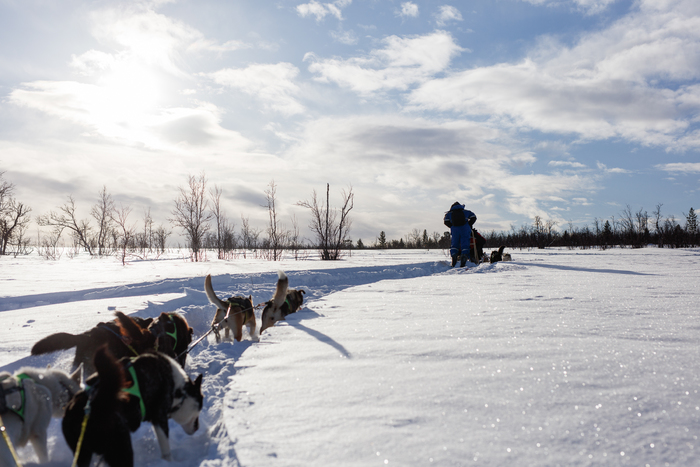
(14, 217)
(144, 240)
(414, 239)
(48, 245)
(295, 241)
(65, 219)
(249, 235)
(331, 226)
(627, 224)
(276, 235)
(126, 232)
(225, 239)
(102, 212)
(658, 228)
(160, 236)
(191, 213)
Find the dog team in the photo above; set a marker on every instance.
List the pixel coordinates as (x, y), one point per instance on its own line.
(136, 374)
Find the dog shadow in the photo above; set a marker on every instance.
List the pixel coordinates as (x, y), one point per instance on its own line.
(321, 337)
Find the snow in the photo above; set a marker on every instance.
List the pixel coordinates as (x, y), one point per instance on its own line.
(561, 357)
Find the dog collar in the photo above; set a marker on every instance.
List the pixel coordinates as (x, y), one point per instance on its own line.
(135, 391)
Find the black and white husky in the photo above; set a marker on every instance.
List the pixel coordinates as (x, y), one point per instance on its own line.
(285, 302)
(30, 397)
(152, 387)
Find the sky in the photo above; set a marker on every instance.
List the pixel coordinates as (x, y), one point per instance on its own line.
(567, 110)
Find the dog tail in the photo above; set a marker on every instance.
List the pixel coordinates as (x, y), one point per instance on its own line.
(500, 250)
(281, 290)
(213, 299)
(54, 342)
(111, 379)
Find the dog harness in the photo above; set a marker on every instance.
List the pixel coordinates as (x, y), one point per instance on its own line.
(174, 333)
(9, 401)
(135, 391)
(243, 303)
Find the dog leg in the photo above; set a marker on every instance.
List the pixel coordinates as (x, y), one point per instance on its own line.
(238, 329)
(252, 328)
(163, 442)
(119, 452)
(40, 445)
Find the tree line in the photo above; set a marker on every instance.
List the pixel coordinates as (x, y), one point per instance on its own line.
(630, 229)
(197, 212)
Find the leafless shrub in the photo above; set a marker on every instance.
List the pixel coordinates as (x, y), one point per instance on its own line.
(14, 220)
(191, 214)
(65, 219)
(331, 226)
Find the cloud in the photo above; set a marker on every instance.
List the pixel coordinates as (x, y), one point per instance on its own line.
(93, 61)
(447, 13)
(344, 37)
(680, 167)
(409, 9)
(273, 84)
(589, 7)
(634, 80)
(574, 165)
(127, 118)
(321, 10)
(126, 99)
(403, 62)
(614, 170)
(426, 163)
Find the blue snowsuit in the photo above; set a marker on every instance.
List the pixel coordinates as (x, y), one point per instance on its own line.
(461, 234)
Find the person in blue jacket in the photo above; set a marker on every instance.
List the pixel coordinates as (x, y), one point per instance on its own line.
(460, 220)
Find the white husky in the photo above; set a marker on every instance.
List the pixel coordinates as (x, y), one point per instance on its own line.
(32, 396)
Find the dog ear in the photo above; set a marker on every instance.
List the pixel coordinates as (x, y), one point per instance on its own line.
(198, 381)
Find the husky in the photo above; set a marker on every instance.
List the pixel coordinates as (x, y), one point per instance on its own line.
(173, 335)
(284, 302)
(122, 394)
(28, 400)
(497, 256)
(241, 313)
(125, 336)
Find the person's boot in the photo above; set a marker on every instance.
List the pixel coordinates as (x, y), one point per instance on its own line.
(463, 262)
(454, 260)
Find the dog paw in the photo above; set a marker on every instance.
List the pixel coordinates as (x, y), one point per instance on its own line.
(168, 457)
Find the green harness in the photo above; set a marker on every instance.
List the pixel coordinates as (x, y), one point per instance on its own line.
(23, 398)
(135, 391)
(171, 334)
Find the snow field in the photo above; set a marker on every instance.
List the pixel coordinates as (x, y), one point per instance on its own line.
(558, 358)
